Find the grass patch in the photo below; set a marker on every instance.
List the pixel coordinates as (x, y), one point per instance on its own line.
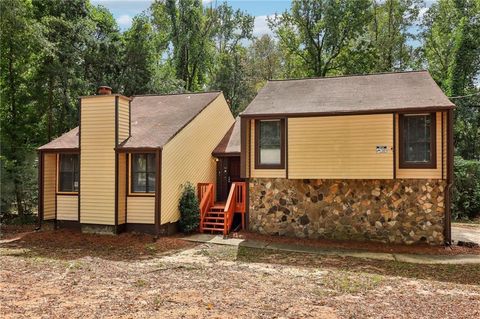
(462, 274)
(140, 283)
(343, 282)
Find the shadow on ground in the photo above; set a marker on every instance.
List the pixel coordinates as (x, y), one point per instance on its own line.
(461, 274)
(69, 245)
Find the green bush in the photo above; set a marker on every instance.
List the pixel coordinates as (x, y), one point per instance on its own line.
(466, 189)
(189, 209)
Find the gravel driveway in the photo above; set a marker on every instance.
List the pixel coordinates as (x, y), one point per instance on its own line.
(466, 232)
(58, 280)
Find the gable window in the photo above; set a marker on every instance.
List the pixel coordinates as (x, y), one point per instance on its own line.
(143, 173)
(417, 141)
(68, 175)
(270, 143)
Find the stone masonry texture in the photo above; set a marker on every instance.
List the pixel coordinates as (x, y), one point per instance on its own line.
(403, 211)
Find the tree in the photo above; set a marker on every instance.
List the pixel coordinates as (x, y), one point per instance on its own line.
(139, 57)
(229, 73)
(103, 52)
(190, 27)
(18, 57)
(265, 60)
(390, 33)
(319, 31)
(452, 51)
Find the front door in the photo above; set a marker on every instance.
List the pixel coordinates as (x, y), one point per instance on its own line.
(228, 171)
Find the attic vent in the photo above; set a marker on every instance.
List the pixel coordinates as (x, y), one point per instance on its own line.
(104, 90)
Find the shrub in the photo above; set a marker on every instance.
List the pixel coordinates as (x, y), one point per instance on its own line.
(189, 209)
(466, 189)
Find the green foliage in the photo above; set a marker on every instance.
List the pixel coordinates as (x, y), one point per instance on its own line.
(320, 32)
(189, 209)
(466, 191)
(52, 52)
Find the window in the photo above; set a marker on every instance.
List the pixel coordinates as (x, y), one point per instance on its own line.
(417, 141)
(143, 173)
(68, 173)
(269, 144)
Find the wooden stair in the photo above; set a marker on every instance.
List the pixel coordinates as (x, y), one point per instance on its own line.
(218, 216)
(214, 220)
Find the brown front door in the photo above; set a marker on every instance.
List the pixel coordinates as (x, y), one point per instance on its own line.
(228, 171)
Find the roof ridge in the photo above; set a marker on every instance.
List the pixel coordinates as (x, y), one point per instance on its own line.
(346, 76)
(184, 93)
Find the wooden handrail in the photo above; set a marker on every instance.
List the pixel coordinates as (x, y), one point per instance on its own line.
(229, 209)
(205, 195)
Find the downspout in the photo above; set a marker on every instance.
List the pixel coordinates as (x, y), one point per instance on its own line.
(448, 190)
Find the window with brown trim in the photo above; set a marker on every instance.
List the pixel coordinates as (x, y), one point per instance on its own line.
(68, 175)
(143, 173)
(270, 144)
(417, 139)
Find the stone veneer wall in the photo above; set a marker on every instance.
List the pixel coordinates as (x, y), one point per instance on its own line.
(394, 211)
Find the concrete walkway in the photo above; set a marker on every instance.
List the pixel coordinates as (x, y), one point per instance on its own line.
(408, 258)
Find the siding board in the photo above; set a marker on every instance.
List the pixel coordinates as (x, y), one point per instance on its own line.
(141, 210)
(123, 119)
(49, 186)
(122, 174)
(188, 156)
(97, 160)
(67, 207)
(340, 147)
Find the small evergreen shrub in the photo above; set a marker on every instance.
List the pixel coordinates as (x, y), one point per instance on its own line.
(189, 209)
(466, 189)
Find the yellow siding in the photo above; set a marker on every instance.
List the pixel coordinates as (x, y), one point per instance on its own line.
(247, 146)
(273, 173)
(67, 207)
(423, 173)
(141, 209)
(122, 200)
(123, 119)
(444, 146)
(97, 160)
(49, 185)
(187, 157)
(340, 147)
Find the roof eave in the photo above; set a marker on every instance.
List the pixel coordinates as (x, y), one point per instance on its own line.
(359, 112)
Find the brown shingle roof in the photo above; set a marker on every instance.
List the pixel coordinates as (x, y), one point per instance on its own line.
(350, 94)
(66, 141)
(230, 143)
(155, 120)
(158, 118)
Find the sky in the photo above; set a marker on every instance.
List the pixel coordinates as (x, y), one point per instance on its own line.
(125, 10)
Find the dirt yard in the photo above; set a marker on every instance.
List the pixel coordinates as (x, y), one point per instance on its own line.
(70, 275)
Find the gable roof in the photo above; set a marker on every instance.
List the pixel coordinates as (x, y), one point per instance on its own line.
(373, 93)
(66, 141)
(155, 120)
(230, 143)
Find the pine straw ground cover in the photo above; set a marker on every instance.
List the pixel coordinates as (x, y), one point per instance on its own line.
(66, 274)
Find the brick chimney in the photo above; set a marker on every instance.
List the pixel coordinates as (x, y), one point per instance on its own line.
(104, 90)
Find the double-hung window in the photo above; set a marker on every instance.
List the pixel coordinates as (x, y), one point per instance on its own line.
(68, 175)
(143, 173)
(417, 141)
(270, 143)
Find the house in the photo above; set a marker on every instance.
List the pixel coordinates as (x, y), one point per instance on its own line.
(352, 157)
(123, 167)
(366, 157)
